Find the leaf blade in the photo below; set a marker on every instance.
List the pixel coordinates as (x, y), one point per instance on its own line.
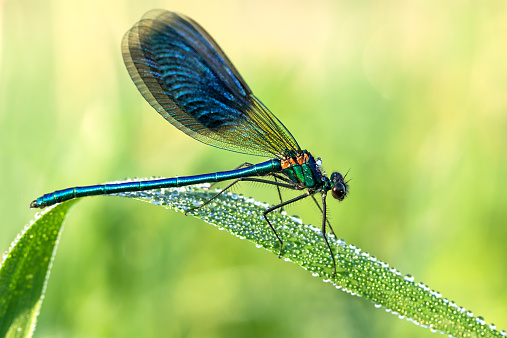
(358, 273)
(24, 272)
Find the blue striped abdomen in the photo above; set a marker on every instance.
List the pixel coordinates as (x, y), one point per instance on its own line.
(58, 196)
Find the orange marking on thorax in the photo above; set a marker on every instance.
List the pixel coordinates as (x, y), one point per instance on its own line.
(303, 158)
(289, 162)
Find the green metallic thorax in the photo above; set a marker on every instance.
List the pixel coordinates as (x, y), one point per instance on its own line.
(307, 174)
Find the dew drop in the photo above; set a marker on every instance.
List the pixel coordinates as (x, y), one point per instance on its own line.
(480, 320)
(409, 278)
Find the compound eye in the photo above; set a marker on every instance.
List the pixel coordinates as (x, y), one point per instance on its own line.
(339, 191)
(336, 177)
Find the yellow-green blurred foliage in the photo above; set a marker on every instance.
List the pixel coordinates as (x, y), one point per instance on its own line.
(411, 96)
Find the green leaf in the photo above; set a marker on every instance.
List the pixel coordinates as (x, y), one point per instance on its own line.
(25, 270)
(358, 273)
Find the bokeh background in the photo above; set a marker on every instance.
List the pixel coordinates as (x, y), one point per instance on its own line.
(411, 96)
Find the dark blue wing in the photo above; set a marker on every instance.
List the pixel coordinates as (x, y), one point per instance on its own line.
(187, 78)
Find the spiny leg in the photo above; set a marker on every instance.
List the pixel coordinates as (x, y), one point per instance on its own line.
(324, 231)
(212, 198)
(329, 224)
(260, 180)
(246, 164)
(279, 193)
(283, 179)
(267, 211)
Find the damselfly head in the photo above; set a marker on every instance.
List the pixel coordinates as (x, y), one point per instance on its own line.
(339, 187)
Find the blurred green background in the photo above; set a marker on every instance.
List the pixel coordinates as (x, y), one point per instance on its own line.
(410, 95)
